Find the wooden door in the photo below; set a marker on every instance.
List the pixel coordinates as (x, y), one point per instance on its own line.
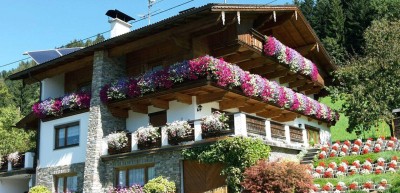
(313, 133)
(200, 178)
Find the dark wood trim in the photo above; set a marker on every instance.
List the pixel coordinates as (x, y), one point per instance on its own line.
(66, 114)
(65, 127)
(127, 168)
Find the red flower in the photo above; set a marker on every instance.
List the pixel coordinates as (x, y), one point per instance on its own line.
(328, 174)
(352, 172)
(339, 187)
(326, 188)
(322, 164)
(347, 142)
(378, 171)
(341, 168)
(368, 185)
(394, 158)
(353, 186)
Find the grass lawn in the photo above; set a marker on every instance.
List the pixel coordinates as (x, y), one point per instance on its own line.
(339, 130)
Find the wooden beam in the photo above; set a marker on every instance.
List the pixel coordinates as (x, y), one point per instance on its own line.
(285, 117)
(226, 51)
(210, 97)
(232, 103)
(240, 57)
(305, 87)
(62, 68)
(160, 103)
(280, 20)
(277, 74)
(261, 20)
(313, 91)
(253, 108)
(288, 79)
(252, 63)
(121, 113)
(270, 113)
(304, 50)
(182, 41)
(297, 83)
(183, 98)
(159, 37)
(139, 108)
(264, 69)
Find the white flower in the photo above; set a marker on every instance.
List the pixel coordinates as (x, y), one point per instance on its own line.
(392, 170)
(178, 129)
(381, 159)
(339, 173)
(341, 154)
(381, 188)
(365, 172)
(147, 134)
(384, 181)
(342, 184)
(336, 191)
(117, 140)
(329, 184)
(316, 175)
(343, 164)
(320, 168)
(215, 122)
(13, 157)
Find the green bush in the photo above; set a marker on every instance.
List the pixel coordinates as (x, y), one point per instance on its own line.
(235, 153)
(159, 185)
(39, 189)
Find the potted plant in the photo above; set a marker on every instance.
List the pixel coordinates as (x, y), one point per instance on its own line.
(12, 159)
(119, 142)
(148, 137)
(214, 125)
(179, 131)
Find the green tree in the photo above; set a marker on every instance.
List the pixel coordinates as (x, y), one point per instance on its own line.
(370, 84)
(307, 7)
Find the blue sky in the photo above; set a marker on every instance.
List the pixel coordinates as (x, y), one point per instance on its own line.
(29, 25)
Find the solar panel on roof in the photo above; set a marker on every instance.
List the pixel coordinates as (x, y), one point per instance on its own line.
(43, 56)
(65, 51)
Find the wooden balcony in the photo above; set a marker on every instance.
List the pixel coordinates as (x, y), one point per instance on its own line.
(205, 92)
(240, 124)
(26, 164)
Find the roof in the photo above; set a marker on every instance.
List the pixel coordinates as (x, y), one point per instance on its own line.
(174, 21)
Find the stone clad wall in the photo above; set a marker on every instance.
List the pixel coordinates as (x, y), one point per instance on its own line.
(45, 176)
(278, 153)
(166, 163)
(101, 122)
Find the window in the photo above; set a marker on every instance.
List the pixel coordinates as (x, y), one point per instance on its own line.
(67, 135)
(66, 183)
(139, 175)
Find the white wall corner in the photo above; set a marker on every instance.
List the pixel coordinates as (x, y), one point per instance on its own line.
(287, 134)
(164, 136)
(134, 142)
(240, 124)
(104, 146)
(197, 131)
(268, 132)
(29, 159)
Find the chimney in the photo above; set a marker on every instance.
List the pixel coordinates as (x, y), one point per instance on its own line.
(119, 22)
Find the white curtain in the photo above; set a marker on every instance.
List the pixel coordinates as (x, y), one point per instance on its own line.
(60, 185)
(150, 173)
(122, 179)
(72, 184)
(73, 135)
(61, 137)
(136, 176)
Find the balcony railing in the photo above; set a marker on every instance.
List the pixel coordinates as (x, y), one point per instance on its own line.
(26, 161)
(240, 124)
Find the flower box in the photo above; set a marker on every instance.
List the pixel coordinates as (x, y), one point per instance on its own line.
(179, 131)
(216, 133)
(177, 141)
(149, 144)
(127, 148)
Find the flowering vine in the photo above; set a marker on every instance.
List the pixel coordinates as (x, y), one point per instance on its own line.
(56, 106)
(225, 75)
(285, 55)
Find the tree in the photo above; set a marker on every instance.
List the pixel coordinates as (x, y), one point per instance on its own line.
(370, 84)
(307, 7)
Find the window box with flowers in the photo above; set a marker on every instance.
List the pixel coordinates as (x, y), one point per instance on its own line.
(179, 131)
(63, 106)
(215, 125)
(119, 142)
(148, 137)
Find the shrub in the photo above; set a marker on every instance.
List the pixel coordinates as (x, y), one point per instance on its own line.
(132, 189)
(39, 189)
(159, 185)
(283, 177)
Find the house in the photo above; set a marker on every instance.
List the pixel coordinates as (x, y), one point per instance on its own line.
(287, 70)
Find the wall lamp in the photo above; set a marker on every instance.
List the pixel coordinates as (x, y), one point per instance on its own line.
(199, 107)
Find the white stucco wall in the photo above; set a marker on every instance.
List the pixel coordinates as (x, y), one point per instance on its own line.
(49, 156)
(14, 185)
(53, 87)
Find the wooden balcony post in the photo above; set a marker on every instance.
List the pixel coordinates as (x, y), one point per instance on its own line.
(268, 130)
(304, 132)
(197, 131)
(29, 159)
(164, 136)
(287, 134)
(240, 124)
(134, 142)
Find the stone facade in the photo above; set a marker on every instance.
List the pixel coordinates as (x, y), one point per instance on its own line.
(166, 163)
(283, 153)
(101, 122)
(46, 176)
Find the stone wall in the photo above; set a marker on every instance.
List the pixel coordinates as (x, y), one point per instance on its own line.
(46, 176)
(101, 122)
(283, 153)
(166, 163)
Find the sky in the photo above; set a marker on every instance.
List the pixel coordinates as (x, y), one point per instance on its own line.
(30, 25)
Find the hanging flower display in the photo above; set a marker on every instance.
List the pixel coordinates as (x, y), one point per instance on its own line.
(56, 106)
(224, 75)
(288, 56)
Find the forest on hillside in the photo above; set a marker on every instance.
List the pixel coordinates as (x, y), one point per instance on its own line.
(360, 35)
